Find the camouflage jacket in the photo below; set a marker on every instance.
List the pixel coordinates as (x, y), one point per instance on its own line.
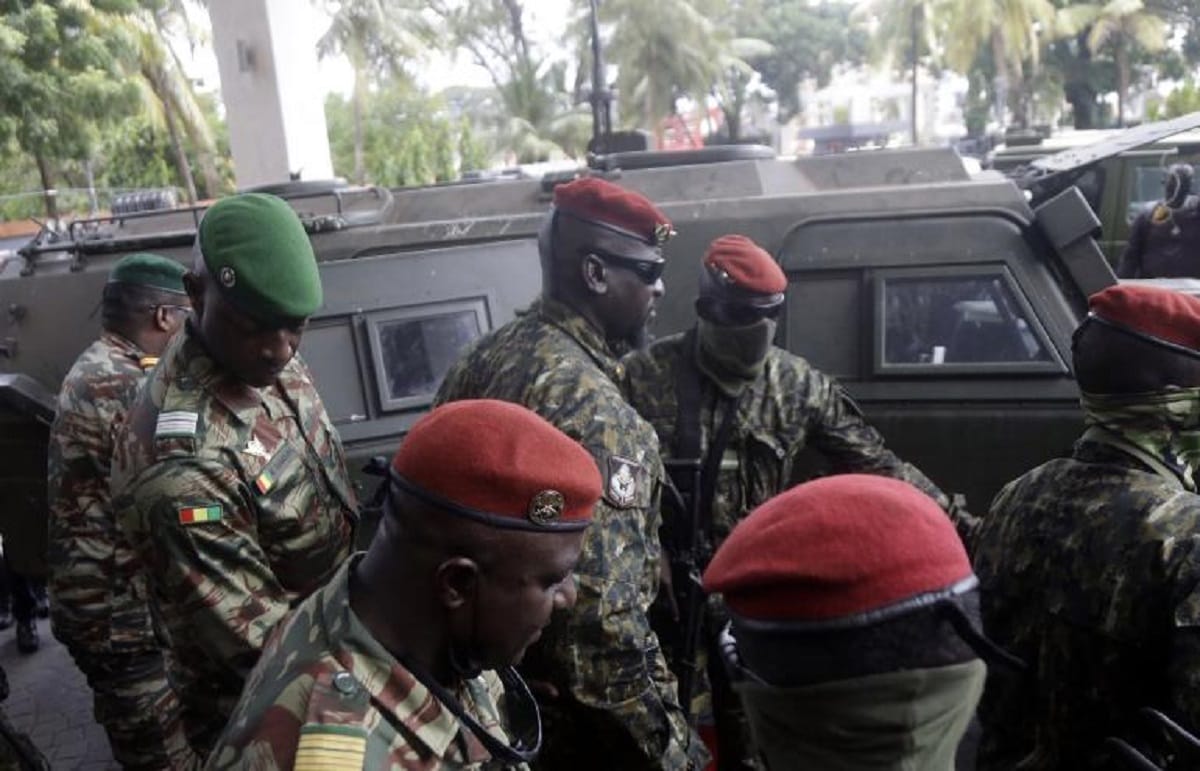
(98, 589)
(326, 694)
(789, 407)
(239, 504)
(1090, 571)
(603, 653)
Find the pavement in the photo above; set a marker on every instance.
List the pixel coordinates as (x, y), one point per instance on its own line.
(50, 702)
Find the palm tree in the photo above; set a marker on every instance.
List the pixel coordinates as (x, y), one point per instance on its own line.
(1009, 27)
(902, 30)
(536, 112)
(1119, 25)
(377, 36)
(664, 50)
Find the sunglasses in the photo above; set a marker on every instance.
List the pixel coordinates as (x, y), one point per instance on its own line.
(734, 314)
(648, 271)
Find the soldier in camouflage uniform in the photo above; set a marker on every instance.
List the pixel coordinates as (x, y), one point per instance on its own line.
(1090, 564)
(606, 682)
(854, 637)
(483, 522)
(773, 405)
(99, 610)
(229, 478)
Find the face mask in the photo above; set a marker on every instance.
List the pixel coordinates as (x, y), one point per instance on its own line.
(885, 722)
(1161, 428)
(733, 355)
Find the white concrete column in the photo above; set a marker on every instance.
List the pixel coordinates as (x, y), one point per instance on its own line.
(267, 58)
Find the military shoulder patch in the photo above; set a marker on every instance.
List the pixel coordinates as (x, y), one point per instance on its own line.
(330, 747)
(199, 515)
(625, 479)
(176, 423)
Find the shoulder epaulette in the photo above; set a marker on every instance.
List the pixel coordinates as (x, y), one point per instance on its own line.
(177, 423)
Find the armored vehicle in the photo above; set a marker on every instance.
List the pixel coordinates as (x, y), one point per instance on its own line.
(1117, 188)
(944, 302)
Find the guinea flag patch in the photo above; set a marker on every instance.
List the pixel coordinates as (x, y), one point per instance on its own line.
(264, 483)
(198, 515)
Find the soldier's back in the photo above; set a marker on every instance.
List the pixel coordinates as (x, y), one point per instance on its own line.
(1089, 568)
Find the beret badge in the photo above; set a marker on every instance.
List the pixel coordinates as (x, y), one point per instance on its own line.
(227, 277)
(663, 232)
(546, 507)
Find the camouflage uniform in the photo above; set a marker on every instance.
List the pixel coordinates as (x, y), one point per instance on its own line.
(239, 503)
(789, 406)
(327, 695)
(617, 693)
(99, 610)
(1090, 571)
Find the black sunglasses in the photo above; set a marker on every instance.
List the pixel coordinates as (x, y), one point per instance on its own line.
(648, 271)
(735, 314)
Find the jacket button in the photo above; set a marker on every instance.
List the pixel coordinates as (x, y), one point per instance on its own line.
(345, 683)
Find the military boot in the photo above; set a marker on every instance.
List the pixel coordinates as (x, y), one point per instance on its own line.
(27, 636)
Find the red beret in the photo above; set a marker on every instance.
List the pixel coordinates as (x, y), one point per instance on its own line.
(1160, 314)
(500, 464)
(737, 262)
(834, 547)
(602, 203)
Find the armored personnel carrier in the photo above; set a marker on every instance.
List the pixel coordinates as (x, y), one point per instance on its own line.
(944, 302)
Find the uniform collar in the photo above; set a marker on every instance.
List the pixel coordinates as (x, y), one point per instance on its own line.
(241, 400)
(122, 344)
(582, 331)
(392, 687)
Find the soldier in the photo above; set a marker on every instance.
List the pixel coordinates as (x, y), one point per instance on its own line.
(483, 523)
(1090, 565)
(1164, 240)
(607, 684)
(229, 478)
(854, 639)
(733, 413)
(99, 609)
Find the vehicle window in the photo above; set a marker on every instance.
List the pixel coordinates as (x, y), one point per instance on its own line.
(414, 348)
(957, 320)
(1147, 189)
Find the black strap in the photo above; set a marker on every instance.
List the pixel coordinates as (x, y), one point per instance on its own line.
(690, 386)
(515, 692)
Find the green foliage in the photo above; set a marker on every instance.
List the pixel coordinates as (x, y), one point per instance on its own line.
(61, 75)
(409, 138)
(472, 153)
(1181, 101)
(807, 41)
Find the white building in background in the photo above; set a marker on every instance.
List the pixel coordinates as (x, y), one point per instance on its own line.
(864, 107)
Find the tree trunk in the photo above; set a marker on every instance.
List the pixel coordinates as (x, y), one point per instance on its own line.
(913, 42)
(1122, 80)
(360, 172)
(49, 195)
(181, 159)
(1001, 82)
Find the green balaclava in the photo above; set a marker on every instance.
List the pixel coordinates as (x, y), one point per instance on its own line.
(894, 721)
(733, 356)
(1160, 428)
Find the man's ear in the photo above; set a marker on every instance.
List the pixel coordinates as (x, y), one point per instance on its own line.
(164, 319)
(457, 582)
(594, 273)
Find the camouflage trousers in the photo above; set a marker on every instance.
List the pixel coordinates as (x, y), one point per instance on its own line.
(139, 710)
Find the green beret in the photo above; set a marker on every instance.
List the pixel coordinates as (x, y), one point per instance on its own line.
(152, 270)
(255, 248)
